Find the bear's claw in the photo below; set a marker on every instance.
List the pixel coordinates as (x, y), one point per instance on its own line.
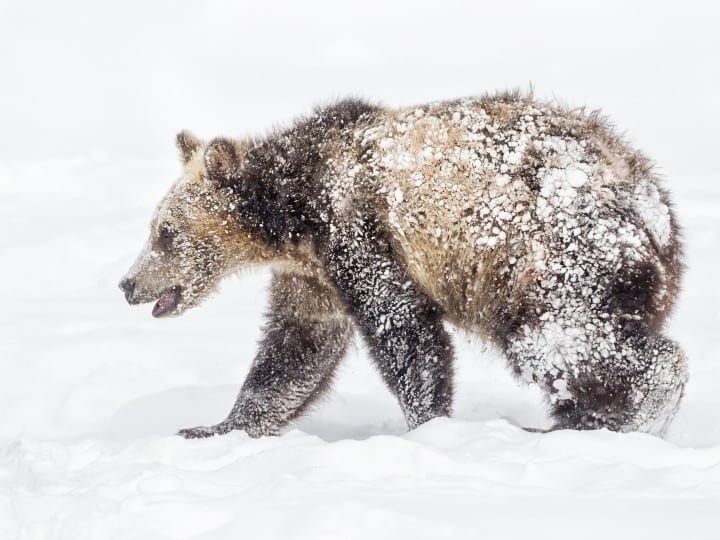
(203, 432)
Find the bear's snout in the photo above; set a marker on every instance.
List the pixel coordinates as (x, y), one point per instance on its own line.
(128, 287)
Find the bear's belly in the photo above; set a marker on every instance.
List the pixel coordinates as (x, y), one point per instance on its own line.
(473, 265)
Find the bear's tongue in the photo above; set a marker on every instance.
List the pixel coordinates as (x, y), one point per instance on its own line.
(165, 303)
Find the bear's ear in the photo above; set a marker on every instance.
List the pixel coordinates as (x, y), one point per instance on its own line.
(188, 144)
(221, 160)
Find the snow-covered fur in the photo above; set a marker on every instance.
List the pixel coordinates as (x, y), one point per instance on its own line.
(533, 225)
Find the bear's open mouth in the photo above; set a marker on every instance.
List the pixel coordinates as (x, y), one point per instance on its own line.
(167, 302)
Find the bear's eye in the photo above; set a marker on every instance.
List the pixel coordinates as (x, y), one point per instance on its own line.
(166, 235)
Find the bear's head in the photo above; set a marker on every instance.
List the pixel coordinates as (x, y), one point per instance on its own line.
(195, 239)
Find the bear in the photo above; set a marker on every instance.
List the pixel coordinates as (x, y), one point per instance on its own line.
(528, 223)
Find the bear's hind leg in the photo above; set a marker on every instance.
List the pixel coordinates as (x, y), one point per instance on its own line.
(637, 388)
(305, 337)
(623, 377)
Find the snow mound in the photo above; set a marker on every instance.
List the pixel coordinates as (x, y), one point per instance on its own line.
(447, 479)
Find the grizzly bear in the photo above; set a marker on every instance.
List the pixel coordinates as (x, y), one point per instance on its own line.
(535, 226)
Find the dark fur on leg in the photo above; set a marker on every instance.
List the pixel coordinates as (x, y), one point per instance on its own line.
(632, 379)
(642, 395)
(305, 338)
(401, 325)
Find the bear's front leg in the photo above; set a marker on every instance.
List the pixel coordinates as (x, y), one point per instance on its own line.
(305, 337)
(402, 326)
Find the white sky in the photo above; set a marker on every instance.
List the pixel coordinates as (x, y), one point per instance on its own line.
(123, 77)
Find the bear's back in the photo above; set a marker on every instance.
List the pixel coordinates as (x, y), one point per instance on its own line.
(481, 194)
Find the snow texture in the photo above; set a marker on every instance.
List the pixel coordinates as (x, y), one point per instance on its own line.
(92, 391)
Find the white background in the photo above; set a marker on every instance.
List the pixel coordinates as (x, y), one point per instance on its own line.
(91, 391)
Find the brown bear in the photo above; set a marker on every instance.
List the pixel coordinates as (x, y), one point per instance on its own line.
(531, 224)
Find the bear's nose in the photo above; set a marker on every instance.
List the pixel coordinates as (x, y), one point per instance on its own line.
(128, 287)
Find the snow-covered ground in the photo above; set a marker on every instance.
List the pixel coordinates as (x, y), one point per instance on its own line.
(91, 391)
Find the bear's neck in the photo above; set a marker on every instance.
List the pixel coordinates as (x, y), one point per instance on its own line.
(281, 195)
